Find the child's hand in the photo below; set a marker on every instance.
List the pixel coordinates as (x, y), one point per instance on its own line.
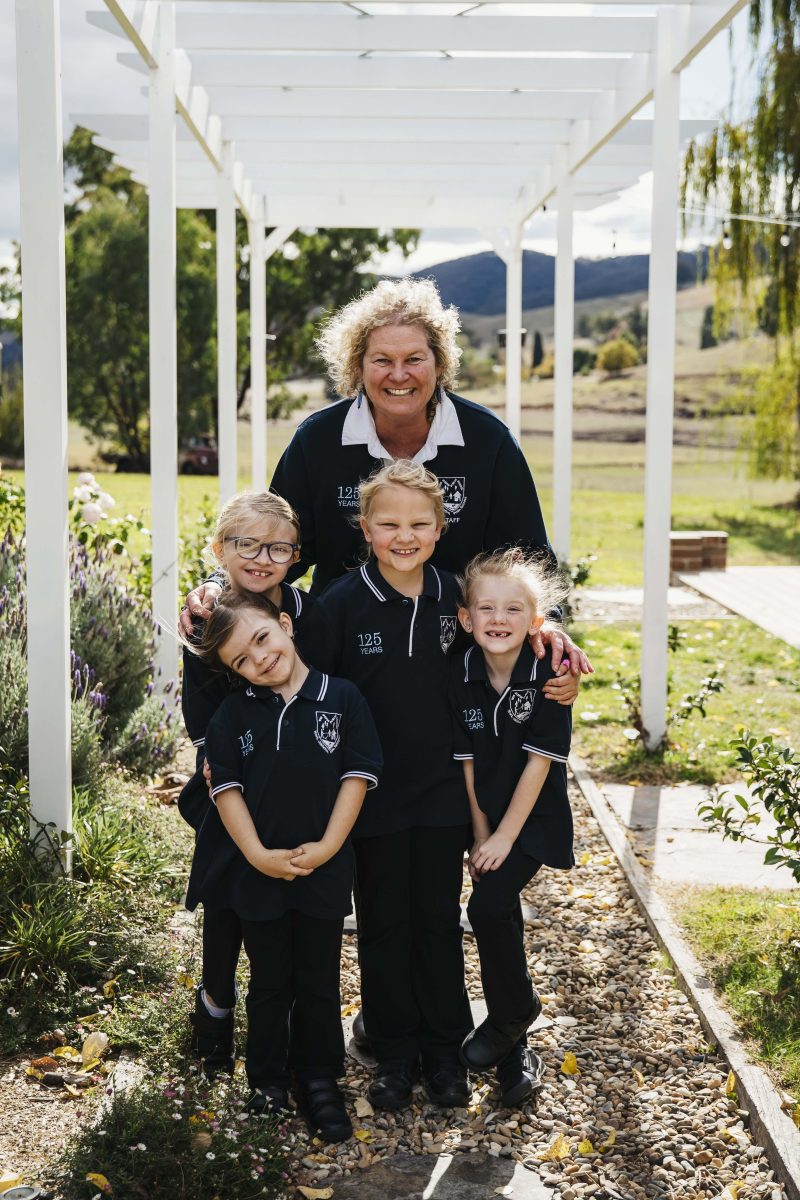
(278, 864)
(491, 854)
(311, 854)
(474, 873)
(207, 774)
(564, 686)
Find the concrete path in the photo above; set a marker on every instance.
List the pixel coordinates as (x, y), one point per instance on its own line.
(606, 605)
(444, 1177)
(671, 840)
(767, 596)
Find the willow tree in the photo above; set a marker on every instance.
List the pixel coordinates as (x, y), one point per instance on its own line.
(752, 168)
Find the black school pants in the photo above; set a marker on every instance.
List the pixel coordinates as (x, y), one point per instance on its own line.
(408, 899)
(294, 1021)
(222, 942)
(495, 914)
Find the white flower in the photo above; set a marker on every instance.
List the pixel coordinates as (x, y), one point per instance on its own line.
(12, 1012)
(176, 1116)
(141, 1146)
(82, 494)
(86, 479)
(91, 513)
(106, 502)
(211, 1156)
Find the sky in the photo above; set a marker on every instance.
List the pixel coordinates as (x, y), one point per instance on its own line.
(91, 76)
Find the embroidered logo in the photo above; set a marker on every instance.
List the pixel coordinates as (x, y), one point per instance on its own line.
(327, 731)
(370, 643)
(520, 705)
(473, 718)
(347, 495)
(454, 488)
(246, 743)
(447, 631)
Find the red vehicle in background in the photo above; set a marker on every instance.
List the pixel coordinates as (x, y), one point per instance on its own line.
(199, 456)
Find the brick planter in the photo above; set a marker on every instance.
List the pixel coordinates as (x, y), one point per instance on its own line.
(697, 550)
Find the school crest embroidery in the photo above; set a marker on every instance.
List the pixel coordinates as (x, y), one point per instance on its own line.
(520, 705)
(327, 730)
(454, 489)
(447, 631)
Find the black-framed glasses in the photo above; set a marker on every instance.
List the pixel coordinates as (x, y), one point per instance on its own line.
(277, 552)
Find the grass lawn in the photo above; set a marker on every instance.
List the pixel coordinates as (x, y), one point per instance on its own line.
(762, 690)
(749, 942)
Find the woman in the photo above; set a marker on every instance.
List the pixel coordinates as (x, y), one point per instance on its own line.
(395, 348)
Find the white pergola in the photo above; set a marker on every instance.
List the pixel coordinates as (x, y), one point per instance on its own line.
(339, 114)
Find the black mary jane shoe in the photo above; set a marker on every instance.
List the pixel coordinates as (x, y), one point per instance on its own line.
(393, 1084)
(519, 1076)
(446, 1084)
(267, 1101)
(489, 1044)
(322, 1104)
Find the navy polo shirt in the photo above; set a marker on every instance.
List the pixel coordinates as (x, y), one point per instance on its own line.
(288, 759)
(499, 732)
(205, 687)
(394, 648)
(489, 495)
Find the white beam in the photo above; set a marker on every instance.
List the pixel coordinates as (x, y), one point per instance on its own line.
(660, 385)
(258, 355)
(449, 2)
(514, 331)
(245, 30)
(226, 329)
(163, 345)
(276, 239)
(41, 186)
(349, 71)
(562, 401)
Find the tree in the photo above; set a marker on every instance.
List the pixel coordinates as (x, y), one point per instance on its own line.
(708, 337)
(617, 356)
(538, 350)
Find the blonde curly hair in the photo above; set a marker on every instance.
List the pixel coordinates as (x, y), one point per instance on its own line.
(342, 342)
(403, 472)
(542, 583)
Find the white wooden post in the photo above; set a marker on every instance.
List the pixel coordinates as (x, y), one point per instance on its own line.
(226, 328)
(163, 344)
(660, 384)
(44, 335)
(514, 331)
(258, 354)
(562, 402)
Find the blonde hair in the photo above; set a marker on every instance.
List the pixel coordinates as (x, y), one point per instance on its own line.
(248, 506)
(342, 342)
(541, 582)
(402, 473)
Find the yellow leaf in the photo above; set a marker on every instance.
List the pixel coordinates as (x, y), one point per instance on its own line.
(610, 1140)
(349, 1010)
(584, 894)
(109, 987)
(638, 1076)
(556, 1149)
(730, 1086)
(586, 1147)
(101, 1182)
(795, 1115)
(91, 1066)
(585, 858)
(94, 1046)
(365, 1135)
(8, 1180)
(316, 1193)
(186, 980)
(66, 1052)
(731, 1191)
(570, 1064)
(34, 1074)
(73, 1091)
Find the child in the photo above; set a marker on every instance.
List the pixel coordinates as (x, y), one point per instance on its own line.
(256, 541)
(513, 742)
(392, 623)
(291, 757)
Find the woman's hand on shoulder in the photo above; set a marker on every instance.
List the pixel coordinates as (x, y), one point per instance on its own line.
(563, 648)
(278, 864)
(199, 603)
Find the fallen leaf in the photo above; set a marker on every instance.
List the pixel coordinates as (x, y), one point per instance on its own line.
(609, 1141)
(731, 1191)
(638, 1076)
(67, 1052)
(46, 1063)
(349, 1010)
(365, 1135)
(91, 1066)
(570, 1064)
(363, 1107)
(585, 858)
(9, 1179)
(316, 1193)
(795, 1115)
(101, 1182)
(109, 987)
(556, 1149)
(33, 1073)
(586, 1147)
(73, 1091)
(730, 1086)
(94, 1046)
(184, 979)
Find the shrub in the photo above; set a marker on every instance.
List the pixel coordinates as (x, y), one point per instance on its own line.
(12, 440)
(547, 367)
(150, 737)
(617, 356)
(583, 360)
(110, 844)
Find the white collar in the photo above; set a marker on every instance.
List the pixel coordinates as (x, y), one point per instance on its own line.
(359, 429)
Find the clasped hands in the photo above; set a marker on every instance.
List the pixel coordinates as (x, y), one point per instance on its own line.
(291, 864)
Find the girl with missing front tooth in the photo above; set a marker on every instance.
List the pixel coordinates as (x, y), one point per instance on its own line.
(291, 757)
(513, 742)
(392, 623)
(255, 542)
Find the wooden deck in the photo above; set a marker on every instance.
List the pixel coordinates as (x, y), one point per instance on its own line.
(767, 596)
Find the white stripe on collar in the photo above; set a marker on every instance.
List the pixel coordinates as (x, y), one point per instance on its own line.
(359, 430)
(466, 664)
(370, 584)
(438, 581)
(323, 688)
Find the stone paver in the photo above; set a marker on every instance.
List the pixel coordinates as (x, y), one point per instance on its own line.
(607, 605)
(445, 1177)
(767, 596)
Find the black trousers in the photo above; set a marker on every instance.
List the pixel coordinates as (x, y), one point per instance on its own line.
(408, 900)
(294, 1018)
(222, 942)
(495, 914)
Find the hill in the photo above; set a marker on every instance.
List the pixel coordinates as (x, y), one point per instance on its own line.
(477, 283)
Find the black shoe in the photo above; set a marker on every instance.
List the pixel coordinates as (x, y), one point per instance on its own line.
(488, 1045)
(322, 1105)
(446, 1084)
(267, 1101)
(212, 1039)
(360, 1034)
(519, 1076)
(393, 1084)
